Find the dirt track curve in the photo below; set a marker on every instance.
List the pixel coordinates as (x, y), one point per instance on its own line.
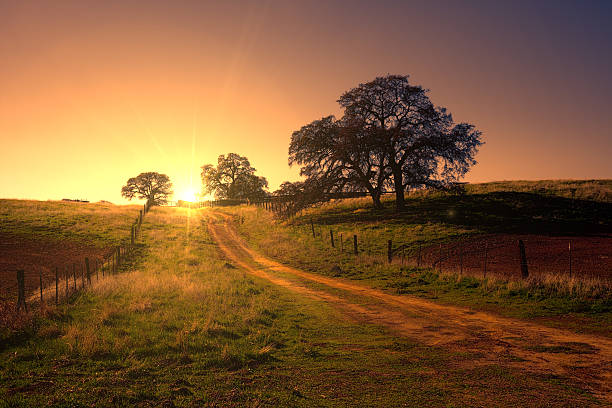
(586, 360)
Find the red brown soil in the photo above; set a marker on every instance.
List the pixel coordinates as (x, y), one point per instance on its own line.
(39, 256)
(591, 256)
(580, 359)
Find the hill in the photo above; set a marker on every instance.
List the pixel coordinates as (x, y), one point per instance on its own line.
(39, 236)
(463, 248)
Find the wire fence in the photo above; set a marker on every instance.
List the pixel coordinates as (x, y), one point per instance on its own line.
(38, 287)
(509, 256)
(515, 256)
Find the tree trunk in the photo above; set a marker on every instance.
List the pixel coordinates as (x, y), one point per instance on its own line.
(376, 200)
(398, 183)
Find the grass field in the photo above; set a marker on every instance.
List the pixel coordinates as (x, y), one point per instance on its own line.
(536, 208)
(184, 327)
(94, 224)
(40, 236)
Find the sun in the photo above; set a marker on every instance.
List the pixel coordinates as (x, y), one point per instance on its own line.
(188, 195)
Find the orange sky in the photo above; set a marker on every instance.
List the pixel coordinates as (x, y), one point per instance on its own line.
(92, 93)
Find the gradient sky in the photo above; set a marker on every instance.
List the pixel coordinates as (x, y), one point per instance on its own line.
(95, 92)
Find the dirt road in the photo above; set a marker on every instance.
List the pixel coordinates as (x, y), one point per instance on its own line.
(583, 359)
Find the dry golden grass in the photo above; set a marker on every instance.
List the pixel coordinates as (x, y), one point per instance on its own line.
(181, 328)
(169, 275)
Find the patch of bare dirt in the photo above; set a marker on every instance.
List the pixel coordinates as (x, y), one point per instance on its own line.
(590, 256)
(585, 360)
(39, 256)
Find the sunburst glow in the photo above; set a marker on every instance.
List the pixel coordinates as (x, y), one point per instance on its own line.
(188, 195)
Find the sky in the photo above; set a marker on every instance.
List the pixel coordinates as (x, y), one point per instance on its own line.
(93, 93)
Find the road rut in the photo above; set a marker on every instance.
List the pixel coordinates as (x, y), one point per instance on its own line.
(585, 360)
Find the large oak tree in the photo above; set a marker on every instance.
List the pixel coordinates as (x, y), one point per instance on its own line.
(338, 156)
(390, 135)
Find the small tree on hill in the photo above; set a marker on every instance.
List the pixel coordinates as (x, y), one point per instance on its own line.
(152, 186)
(233, 178)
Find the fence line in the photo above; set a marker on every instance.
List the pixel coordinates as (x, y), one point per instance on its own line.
(105, 266)
(511, 256)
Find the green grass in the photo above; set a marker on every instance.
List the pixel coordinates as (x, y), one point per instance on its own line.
(431, 218)
(588, 190)
(100, 225)
(180, 327)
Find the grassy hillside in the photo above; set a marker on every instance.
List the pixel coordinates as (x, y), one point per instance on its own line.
(485, 208)
(590, 190)
(99, 225)
(434, 218)
(186, 328)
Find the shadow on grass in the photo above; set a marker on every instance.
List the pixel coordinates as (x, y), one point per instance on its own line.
(495, 212)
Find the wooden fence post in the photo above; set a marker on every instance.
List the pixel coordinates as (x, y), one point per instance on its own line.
(524, 270)
(82, 272)
(41, 288)
(88, 271)
(460, 259)
(312, 226)
(56, 286)
(484, 273)
(331, 236)
(389, 251)
(570, 258)
(21, 301)
(132, 235)
(355, 244)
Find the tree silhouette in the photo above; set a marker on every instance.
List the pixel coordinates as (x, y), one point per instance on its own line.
(233, 178)
(337, 156)
(390, 135)
(152, 186)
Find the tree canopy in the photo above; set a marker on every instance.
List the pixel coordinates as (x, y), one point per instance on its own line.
(154, 187)
(233, 178)
(390, 136)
